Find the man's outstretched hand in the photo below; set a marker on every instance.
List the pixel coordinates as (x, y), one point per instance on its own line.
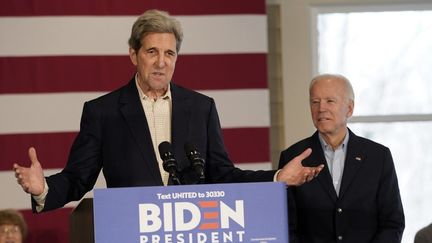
(295, 174)
(30, 178)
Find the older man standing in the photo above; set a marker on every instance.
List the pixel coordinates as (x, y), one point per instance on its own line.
(356, 198)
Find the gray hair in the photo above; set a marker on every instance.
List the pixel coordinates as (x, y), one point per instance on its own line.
(155, 21)
(349, 91)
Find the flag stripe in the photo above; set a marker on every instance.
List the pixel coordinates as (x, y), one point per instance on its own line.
(53, 148)
(17, 199)
(106, 73)
(248, 144)
(128, 7)
(61, 112)
(48, 227)
(255, 165)
(242, 108)
(64, 36)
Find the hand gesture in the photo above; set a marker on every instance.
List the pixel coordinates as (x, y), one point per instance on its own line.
(295, 174)
(31, 178)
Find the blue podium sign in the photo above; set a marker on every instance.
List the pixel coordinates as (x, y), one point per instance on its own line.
(212, 213)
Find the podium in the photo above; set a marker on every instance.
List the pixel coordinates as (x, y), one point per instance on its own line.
(81, 222)
(235, 212)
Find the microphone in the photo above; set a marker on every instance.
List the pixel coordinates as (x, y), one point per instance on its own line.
(169, 162)
(197, 162)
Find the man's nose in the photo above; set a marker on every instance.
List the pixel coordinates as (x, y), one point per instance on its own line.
(160, 62)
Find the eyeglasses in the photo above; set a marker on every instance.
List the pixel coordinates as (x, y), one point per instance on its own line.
(9, 229)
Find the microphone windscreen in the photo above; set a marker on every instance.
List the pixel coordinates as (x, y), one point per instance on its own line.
(164, 148)
(189, 148)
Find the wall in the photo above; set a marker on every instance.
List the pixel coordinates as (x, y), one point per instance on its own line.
(295, 59)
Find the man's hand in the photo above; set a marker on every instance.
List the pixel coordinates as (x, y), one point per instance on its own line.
(30, 178)
(295, 174)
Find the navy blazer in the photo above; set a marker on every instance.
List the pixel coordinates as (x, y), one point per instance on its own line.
(114, 137)
(369, 207)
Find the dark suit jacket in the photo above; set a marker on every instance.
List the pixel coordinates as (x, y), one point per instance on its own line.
(114, 137)
(369, 207)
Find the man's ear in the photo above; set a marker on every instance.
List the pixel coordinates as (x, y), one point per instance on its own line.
(350, 108)
(133, 56)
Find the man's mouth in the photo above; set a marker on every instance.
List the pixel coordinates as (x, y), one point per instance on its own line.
(158, 73)
(323, 119)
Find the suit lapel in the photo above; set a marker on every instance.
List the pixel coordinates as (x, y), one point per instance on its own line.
(353, 161)
(134, 115)
(324, 177)
(180, 125)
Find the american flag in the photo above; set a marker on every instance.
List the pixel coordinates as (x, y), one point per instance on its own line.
(56, 54)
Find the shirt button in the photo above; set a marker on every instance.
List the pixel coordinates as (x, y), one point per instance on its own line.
(339, 210)
(340, 237)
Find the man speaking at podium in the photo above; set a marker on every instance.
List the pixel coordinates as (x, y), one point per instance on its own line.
(120, 132)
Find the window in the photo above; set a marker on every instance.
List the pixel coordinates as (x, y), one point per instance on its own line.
(387, 55)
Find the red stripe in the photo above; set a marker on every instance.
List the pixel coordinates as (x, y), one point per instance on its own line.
(228, 71)
(63, 74)
(248, 145)
(105, 73)
(129, 7)
(53, 148)
(48, 227)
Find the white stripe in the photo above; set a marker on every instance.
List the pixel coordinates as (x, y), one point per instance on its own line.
(39, 113)
(14, 197)
(255, 166)
(61, 112)
(101, 35)
(242, 108)
(225, 34)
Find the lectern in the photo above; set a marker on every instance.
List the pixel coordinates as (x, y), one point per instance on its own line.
(81, 222)
(205, 213)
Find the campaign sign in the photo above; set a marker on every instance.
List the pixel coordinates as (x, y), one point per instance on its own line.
(213, 213)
